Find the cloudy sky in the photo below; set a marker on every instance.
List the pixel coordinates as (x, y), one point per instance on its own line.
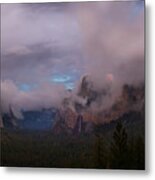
(47, 47)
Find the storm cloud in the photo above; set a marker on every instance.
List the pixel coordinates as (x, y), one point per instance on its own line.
(47, 47)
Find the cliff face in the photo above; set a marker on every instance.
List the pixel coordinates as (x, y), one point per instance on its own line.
(80, 112)
(63, 122)
(9, 120)
(70, 118)
(130, 99)
(71, 123)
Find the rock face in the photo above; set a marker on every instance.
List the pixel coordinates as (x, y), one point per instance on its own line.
(71, 123)
(59, 125)
(86, 86)
(9, 119)
(70, 118)
(131, 99)
(64, 121)
(79, 126)
(83, 118)
(77, 114)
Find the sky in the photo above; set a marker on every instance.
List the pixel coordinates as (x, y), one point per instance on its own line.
(46, 48)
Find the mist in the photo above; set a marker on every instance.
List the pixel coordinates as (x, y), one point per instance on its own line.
(103, 40)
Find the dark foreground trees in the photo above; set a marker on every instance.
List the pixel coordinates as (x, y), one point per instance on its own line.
(126, 153)
(115, 148)
(119, 147)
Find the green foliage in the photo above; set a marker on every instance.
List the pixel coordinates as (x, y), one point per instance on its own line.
(101, 152)
(46, 150)
(125, 153)
(112, 149)
(119, 147)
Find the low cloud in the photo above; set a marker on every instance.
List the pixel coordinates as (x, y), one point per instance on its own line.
(45, 96)
(43, 43)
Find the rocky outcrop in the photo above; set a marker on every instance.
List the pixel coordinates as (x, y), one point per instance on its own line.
(69, 122)
(9, 119)
(70, 118)
(64, 122)
(82, 119)
(131, 99)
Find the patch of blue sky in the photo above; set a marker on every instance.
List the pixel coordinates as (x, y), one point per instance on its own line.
(60, 78)
(26, 87)
(70, 85)
(68, 80)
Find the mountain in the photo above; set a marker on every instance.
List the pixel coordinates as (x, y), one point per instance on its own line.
(102, 107)
(127, 104)
(9, 120)
(70, 122)
(34, 120)
(82, 112)
(133, 121)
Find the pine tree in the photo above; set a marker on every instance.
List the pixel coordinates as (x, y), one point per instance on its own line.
(101, 156)
(119, 147)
